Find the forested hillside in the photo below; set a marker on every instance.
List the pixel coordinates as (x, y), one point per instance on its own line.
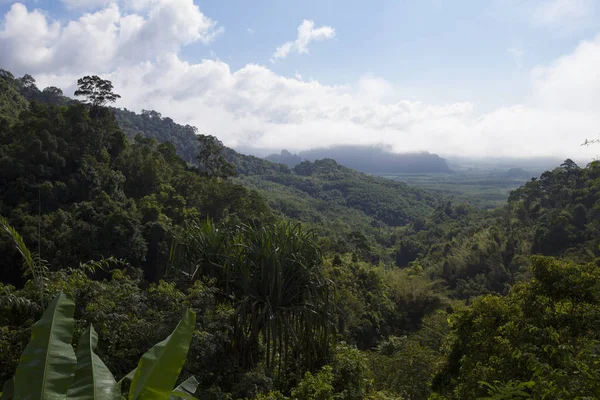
(76, 177)
(316, 282)
(354, 211)
(152, 125)
(392, 203)
(480, 252)
(11, 100)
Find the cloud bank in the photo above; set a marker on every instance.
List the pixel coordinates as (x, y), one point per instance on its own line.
(253, 107)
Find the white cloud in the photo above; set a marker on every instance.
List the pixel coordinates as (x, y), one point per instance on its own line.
(552, 12)
(307, 33)
(255, 107)
(250, 31)
(30, 42)
(282, 51)
(571, 82)
(376, 89)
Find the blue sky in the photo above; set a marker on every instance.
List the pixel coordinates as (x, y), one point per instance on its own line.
(381, 72)
(429, 46)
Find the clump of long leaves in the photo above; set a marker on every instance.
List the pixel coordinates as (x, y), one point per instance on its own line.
(202, 248)
(273, 276)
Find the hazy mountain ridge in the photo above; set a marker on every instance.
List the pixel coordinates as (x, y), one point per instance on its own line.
(368, 159)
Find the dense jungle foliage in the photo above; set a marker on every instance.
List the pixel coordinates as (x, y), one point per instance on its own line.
(316, 282)
(353, 212)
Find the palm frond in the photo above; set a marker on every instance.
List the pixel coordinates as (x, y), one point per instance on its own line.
(29, 264)
(33, 266)
(104, 264)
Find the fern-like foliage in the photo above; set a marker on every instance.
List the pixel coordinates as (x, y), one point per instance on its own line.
(507, 391)
(104, 264)
(12, 302)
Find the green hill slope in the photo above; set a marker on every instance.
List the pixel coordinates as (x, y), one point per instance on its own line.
(12, 102)
(477, 252)
(74, 185)
(357, 212)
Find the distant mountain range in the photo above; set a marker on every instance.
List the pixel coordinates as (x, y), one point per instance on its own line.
(368, 159)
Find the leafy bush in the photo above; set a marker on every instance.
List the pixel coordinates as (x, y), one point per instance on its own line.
(543, 331)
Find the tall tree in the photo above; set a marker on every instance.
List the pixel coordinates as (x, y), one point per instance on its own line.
(212, 162)
(97, 91)
(28, 81)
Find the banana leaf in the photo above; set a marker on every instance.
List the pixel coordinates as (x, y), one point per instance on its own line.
(8, 390)
(128, 377)
(159, 367)
(92, 380)
(185, 390)
(48, 362)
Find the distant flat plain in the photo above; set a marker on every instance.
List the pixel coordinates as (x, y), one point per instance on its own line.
(487, 186)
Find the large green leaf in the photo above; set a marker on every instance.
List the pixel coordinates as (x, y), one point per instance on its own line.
(46, 367)
(159, 367)
(128, 377)
(92, 380)
(185, 390)
(8, 390)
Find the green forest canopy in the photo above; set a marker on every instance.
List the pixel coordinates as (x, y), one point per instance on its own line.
(311, 282)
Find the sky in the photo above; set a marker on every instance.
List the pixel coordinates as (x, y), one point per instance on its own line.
(517, 78)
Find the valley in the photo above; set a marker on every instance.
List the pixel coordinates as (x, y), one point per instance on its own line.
(310, 281)
(488, 188)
